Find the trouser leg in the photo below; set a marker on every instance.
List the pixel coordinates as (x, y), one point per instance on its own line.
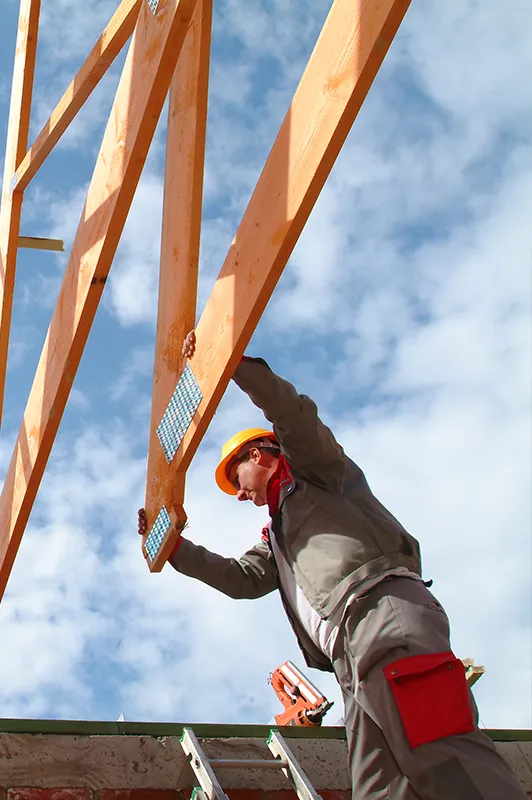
(398, 619)
(375, 774)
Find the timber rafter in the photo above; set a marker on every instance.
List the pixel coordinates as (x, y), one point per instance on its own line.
(169, 53)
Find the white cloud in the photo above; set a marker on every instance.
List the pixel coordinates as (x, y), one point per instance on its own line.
(69, 30)
(472, 62)
(135, 275)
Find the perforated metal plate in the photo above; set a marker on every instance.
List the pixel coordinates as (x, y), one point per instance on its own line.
(153, 4)
(13, 182)
(161, 526)
(179, 413)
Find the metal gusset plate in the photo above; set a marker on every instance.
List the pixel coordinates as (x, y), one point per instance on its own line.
(156, 536)
(179, 413)
(153, 4)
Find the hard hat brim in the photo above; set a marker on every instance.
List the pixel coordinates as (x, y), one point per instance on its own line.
(220, 474)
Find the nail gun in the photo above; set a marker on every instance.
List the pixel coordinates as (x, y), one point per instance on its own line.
(304, 704)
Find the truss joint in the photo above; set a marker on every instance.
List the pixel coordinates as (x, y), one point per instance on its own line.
(154, 5)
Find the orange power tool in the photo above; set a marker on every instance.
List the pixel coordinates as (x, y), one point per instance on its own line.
(304, 704)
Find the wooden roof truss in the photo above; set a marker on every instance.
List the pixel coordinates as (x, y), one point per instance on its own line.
(169, 55)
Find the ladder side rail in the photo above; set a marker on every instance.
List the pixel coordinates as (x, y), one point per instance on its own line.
(201, 766)
(293, 771)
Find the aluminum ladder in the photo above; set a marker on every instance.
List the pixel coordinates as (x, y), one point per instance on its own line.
(210, 788)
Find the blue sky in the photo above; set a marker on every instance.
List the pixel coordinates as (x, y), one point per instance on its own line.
(404, 312)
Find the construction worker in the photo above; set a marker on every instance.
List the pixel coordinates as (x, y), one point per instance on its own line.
(349, 576)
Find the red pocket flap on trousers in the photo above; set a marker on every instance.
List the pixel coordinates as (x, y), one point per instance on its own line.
(423, 663)
(431, 695)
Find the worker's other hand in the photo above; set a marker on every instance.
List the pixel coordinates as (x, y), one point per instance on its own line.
(189, 345)
(142, 524)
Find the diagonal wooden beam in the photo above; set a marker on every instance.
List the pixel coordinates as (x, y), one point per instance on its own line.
(145, 80)
(102, 55)
(182, 204)
(17, 143)
(347, 56)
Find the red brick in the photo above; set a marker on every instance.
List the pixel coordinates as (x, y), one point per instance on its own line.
(23, 793)
(261, 794)
(258, 794)
(282, 794)
(140, 794)
(333, 794)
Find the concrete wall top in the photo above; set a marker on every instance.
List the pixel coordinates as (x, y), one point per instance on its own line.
(69, 758)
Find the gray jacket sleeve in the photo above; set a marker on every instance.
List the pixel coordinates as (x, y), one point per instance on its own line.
(251, 576)
(308, 445)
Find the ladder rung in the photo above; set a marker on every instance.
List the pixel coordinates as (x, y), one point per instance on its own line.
(239, 763)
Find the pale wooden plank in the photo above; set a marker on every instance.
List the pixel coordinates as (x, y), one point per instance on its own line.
(347, 56)
(182, 203)
(145, 80)
(102, 55)
(17, 143)
(473, 671)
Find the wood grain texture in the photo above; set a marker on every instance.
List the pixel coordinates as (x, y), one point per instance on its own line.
(182, 204)
(144, 84)
(347, 56)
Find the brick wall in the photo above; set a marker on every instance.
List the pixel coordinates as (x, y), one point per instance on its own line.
(83, 793)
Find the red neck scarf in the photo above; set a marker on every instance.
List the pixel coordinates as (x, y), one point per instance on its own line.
(278, 480)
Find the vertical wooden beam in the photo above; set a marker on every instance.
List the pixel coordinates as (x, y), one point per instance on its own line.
(347, 56)
(102, 55)
(182, 204)
(17, 143)
(145, 81)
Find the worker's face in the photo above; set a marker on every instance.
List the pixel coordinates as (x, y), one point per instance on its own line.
(250, 477)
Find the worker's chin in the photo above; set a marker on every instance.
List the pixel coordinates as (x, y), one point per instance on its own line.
(258, 500)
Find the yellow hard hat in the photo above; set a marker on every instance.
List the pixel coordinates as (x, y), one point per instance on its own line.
(231, 448)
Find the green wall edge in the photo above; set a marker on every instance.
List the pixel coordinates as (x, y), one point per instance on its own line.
(203, 730)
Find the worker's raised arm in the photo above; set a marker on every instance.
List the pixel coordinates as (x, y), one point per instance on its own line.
(308, 445)
(306, 442)
(251, 576)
